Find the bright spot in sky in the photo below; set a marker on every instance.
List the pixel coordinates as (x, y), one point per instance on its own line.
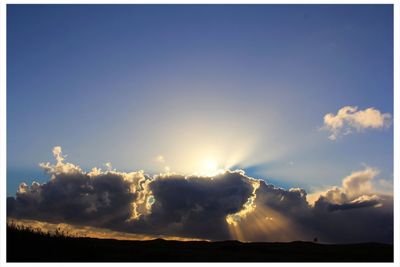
(210, 166)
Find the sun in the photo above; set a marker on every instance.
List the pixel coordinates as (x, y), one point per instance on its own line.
(210, 166)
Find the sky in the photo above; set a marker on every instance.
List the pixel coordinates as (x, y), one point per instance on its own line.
(300, 96)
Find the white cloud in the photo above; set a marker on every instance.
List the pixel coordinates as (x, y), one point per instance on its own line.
(349, 119)
(357, 189)
(57, 152)
(359, 182)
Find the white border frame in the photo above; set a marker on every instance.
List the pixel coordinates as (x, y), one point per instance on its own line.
(3, 109)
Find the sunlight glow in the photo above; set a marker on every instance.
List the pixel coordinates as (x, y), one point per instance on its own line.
(261, 224)
(210, 166)
(248, 207)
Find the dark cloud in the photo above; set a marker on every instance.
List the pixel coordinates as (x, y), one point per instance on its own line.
(360, 223)
(196, 206)
(363, 202)
(225, 206)
(77, 198)
(187, 206)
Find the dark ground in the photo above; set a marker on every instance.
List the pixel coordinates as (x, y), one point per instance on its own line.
(25, 245)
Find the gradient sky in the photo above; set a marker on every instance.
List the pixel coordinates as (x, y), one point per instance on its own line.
(248, 85)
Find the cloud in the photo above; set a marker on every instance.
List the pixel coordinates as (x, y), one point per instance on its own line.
(196, 206)
(360, 202)
(228, 205)
(349, 119)
(359, 182)
(357, 191)
(356, 210)
(356, 184)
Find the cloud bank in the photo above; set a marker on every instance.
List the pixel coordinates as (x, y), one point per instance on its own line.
(349, 119)
(227, 205)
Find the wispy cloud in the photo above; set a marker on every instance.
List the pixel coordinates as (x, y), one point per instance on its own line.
(349, 119)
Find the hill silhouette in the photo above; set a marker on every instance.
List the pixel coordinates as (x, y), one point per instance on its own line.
(32, 245)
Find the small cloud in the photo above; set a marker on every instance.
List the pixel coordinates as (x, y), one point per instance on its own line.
(57, 152)
(349, 119)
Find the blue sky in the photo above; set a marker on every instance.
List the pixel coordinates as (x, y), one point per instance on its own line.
(124, 84)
